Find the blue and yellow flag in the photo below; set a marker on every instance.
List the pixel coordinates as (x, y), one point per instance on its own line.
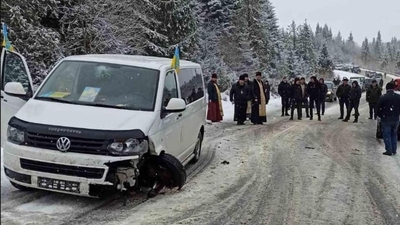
(175, 60)
(6, 42)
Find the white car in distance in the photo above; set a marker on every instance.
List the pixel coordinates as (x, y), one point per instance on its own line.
(101, 123)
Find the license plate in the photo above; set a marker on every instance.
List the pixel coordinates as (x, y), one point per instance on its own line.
(61, 185)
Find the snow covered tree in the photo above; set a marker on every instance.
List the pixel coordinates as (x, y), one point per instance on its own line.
(365, 52)
(305, 48)
(325, 64)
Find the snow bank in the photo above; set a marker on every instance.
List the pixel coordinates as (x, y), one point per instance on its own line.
(273, 104)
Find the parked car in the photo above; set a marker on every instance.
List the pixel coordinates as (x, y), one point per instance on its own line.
(356, 69)
(99, 124)
(368, 82)
(331, 95)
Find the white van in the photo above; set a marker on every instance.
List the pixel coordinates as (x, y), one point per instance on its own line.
(100, 123)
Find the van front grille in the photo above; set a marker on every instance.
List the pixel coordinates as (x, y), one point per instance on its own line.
(78, 145)
(76, 171)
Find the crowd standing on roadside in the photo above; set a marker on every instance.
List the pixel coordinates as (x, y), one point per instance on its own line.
(250, 98)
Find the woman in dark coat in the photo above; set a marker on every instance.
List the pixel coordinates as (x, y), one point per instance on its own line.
(215, 112)
(239, 95)
(258, 109)
(355, 96)
(296, 96)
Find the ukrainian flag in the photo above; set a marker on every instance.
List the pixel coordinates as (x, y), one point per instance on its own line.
(6, 42)
(175, 60)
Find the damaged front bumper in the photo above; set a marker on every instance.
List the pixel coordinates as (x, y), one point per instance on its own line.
(72, 173)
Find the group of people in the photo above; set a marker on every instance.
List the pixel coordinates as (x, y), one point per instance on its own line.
(250, 98)
(299, 94)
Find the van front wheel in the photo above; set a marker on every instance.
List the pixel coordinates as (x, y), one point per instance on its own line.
(197, 148)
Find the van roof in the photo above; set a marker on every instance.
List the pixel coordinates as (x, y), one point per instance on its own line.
(150, 62)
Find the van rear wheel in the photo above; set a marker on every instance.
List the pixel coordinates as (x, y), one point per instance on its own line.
(197, 149)
(20, 187)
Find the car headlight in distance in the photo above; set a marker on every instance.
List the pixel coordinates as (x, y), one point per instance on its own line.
(329, 93)
(15, 135)
(131, 146)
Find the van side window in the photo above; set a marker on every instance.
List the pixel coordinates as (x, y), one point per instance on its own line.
(191, 85)
(170, 87)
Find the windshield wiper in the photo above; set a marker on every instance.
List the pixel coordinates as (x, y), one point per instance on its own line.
(54, 99)
(106, 106)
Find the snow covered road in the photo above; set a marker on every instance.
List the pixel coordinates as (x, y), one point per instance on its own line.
(285, 172)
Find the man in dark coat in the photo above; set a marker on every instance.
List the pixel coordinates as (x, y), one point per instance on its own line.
(258, 110)
(249, 103)
(304, 95)
(343, 94)
(324, 91)
(388, 109)
(374, 92)
(239, 95)
(354, 100)
(314, 91)
(215, 112)
(284, 92)
(296, 99)
(267, 91)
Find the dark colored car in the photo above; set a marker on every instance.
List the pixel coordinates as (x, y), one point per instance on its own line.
(356, 69)
(368, 82)
(331, 95)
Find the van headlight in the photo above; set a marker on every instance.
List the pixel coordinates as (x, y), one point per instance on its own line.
(15, 135)
(131, 146)
(329, 93)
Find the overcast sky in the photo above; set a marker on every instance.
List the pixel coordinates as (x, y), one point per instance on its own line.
(363, 17)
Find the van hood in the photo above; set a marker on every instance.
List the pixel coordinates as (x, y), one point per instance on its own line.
(87, 117)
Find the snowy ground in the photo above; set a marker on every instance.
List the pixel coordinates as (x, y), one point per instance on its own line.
(284, 172)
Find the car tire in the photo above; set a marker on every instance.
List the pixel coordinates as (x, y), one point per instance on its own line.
(20, 187)
(198, 148)
(175, 167)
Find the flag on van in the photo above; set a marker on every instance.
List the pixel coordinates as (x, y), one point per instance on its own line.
(175, 60)
(6, 42)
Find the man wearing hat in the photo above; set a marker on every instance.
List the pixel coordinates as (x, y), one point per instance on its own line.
(388, 109)
(250, 85)
(239, 95)
(373, 94)
(258, 110)
(215, 112)
(343, 94)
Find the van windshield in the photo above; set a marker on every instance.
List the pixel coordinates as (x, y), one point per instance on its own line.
(102, 85)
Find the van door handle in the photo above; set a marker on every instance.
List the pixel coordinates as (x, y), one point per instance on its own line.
(179, 116)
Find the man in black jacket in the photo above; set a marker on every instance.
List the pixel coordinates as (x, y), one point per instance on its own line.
(304, 95)
(343, 94)
(250, 85)
(324, 91)
(374, 92)
(354, 100)
(388, 109)
(284, 92)
(239, 95)
(314, 91)
(296, 98)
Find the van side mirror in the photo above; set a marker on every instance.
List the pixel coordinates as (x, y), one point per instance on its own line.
(15, 89)
(175, 105)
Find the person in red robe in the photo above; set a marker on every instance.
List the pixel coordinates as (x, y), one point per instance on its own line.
(215, 112)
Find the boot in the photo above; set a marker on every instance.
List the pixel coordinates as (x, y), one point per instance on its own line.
(319, 117)
(311, 114)
(355, 120)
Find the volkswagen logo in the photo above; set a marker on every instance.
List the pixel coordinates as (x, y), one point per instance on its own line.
(63, 144)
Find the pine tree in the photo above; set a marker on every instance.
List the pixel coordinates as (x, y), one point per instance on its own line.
(365, 52)
(324, 62)
(305, 49)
